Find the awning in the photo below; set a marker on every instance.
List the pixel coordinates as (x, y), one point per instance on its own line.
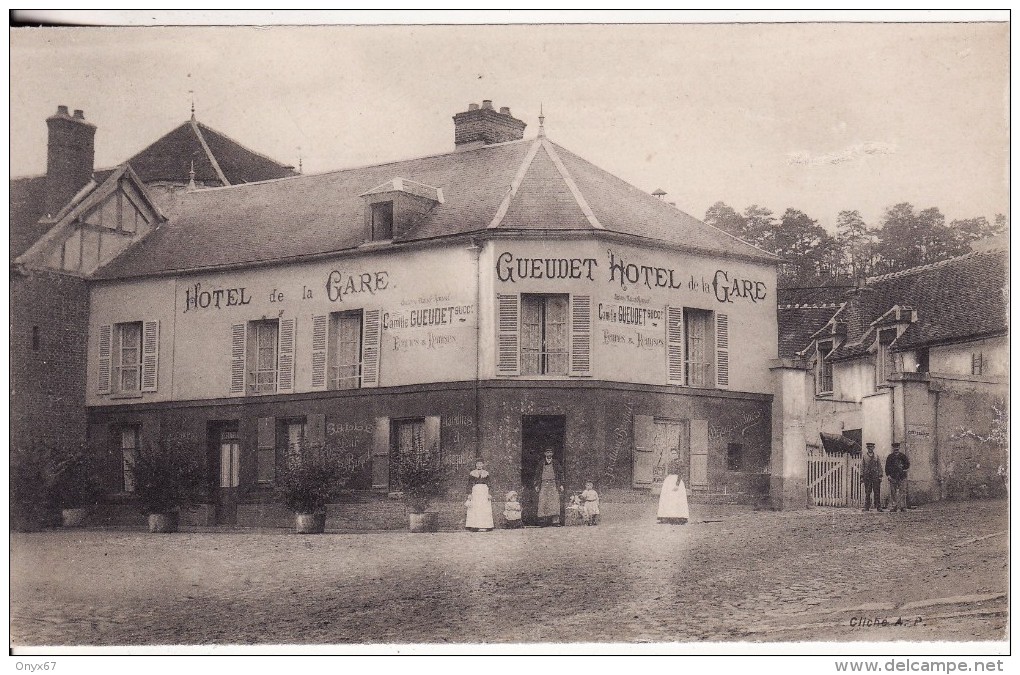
(839, 445)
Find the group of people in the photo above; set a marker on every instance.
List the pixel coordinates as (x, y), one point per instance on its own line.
(549, 488)
(896, 467)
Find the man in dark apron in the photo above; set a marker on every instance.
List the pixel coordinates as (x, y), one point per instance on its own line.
(549, 486)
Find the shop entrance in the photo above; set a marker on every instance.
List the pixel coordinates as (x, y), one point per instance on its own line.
(538, 433)
(225, 455)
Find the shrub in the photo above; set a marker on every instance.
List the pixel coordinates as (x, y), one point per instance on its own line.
(74, 482)
(28, 488)
(421, 479)
(166, 480)
(306, 487)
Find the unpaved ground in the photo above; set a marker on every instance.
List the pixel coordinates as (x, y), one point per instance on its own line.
(754, 576)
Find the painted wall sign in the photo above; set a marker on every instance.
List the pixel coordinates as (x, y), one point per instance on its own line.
(196, 298)
(509, 268)
(429, 316)
(631, 316)
(339, 284)
(726, 290)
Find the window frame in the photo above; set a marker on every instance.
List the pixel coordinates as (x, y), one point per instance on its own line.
(254, 349)
(334, 380)
(128, 455)
(395, 448)
(706, 319)
(823, 368)
(542, 352)
(117, 362)
(291, 456)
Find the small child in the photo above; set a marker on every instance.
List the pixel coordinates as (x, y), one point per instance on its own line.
(575, 512)
(590, 506)
(512, 511)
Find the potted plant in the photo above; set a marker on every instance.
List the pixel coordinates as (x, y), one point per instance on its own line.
(164, 481)
(307, 487)
(421, 480)
(74, 487)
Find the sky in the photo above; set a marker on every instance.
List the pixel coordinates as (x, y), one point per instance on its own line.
(820, 117)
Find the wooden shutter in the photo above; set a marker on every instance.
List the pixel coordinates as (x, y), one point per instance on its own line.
(315, 434)
(644, 455)
(285, 357)
(105, 359)
(580, 335)
(508, 352)
(722, 350)
(371, 336)
(675, 345)
(320, 332)
(150, 355)
(381, 453)
(699, 454)
(238, 335)
(432, 436)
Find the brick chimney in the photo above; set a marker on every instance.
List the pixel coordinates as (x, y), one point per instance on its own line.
(482, 125)
(70, 157)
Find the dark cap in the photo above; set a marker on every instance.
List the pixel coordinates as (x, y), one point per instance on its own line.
(896, 445)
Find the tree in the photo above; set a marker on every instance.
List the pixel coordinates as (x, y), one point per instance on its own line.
(724, 217)
(759, 227)
(802, 244)
(972, 229)
(855, 245)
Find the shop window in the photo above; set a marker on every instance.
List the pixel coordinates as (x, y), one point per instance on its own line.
(697, 348)
(977, 363)
(823, 369)
(345, 350)
(230, 456)
(291, 435)
(130, 448)
(382, 221)
(884, 361)
(735, 457)
(544, 334)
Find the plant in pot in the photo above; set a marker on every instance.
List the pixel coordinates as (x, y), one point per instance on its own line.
(74, 486)
(164, 481)
(421, 480)
(306, 487)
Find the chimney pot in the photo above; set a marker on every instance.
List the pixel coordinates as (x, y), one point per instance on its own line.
(487, 104)
(504, 110)
(472, 106)
(79, 114)
(478, 126)
(70, 157)
(61, 109)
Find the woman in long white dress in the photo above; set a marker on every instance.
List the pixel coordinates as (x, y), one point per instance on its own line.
(479, 502)
(673, 498)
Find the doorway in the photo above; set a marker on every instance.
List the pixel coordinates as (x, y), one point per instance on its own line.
(538, 433)
(225, 451)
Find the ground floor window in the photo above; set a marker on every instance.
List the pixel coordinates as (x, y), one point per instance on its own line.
(408, 439)
(291, 439)
(130, 448)
(230, 456)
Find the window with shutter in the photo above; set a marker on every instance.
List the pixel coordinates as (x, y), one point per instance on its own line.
(105, 358)
(698, 340)
(580, 335)
(127, 357)
(263, 356)
(722, 350)
(508, 334)
(150, 355)
(345, 356)
(371, 336)
(675, 345)
(285, 360)
(320, 330)
(543, 335)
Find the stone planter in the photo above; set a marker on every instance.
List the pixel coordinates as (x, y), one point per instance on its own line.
(309, 523)
(423, 522)
(74, 517)
(161, 523)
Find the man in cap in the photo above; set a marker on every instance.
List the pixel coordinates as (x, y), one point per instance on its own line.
(896, 467)
(871, 476)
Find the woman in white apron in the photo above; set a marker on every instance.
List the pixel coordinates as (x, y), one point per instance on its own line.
(479, 503)
(673, 498)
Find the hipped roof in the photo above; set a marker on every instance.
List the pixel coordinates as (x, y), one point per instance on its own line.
(521, 185)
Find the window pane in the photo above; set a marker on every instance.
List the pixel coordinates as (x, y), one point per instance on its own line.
(531, 334)
(347, 368)
(697, 324)
(295, 439)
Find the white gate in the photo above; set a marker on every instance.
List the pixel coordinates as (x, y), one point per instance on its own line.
(835, 481)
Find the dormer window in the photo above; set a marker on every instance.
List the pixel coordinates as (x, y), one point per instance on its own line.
(823, 369)
(382, 221)
(885, 360)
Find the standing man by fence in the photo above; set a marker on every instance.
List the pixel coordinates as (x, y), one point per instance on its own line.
(896, 467)
(871, 476)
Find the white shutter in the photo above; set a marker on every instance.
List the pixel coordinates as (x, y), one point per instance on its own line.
(644, 455)
(580, 335)
(105, 358)
(699, 454)
(675, 345)
(150, 355)
(285, 357)
(508, 352)
(371, 336)
(238, 335)
(381, 453)
(320, 331)
(722, 350)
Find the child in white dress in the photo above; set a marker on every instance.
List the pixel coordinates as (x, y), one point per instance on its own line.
(590, 504)
(512, 511)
